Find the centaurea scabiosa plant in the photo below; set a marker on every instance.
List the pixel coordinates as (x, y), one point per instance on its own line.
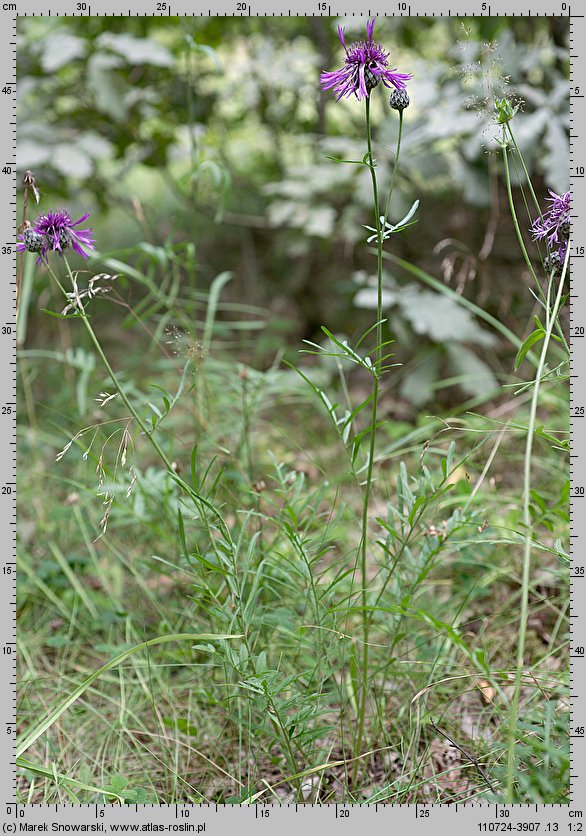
(552, 228)
(366, 64)
(53, 234)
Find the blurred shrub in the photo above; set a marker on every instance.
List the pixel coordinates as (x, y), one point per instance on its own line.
(214, 131)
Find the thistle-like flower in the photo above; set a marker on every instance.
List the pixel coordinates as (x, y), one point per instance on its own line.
(554, 227)
(55, 232)
(365, 65)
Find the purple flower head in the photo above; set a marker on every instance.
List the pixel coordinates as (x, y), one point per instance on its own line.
(554, 225)
(55, 231)
(365, 65)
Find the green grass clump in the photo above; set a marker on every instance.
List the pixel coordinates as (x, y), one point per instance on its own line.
(206, 645)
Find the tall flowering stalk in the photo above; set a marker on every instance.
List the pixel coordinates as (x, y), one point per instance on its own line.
(366, 64)
(551, 227)
(55, 232)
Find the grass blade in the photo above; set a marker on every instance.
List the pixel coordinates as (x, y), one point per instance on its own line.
(46, 723)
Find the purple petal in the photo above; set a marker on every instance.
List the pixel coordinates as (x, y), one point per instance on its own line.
(81, 220)
(79, 238)
(397, 80)
(78, 249)
(370, 28)
(329, 80)
(341, 36)
(362, 92)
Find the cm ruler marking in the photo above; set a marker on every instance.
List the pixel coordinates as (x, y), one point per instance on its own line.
(8, 399)
(289, 818)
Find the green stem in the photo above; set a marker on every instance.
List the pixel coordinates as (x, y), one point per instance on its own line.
(168, 465)
(381, 256)
(528, 525)
(524, 167)
(395, 167)
(373, 419)
(160, 452)
(516, 222)
(558, 327)
(115, 381)
(512, 208)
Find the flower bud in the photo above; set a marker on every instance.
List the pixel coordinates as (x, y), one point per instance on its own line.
(553, 263)
(33, 241)
(505, 110)
(399, 100)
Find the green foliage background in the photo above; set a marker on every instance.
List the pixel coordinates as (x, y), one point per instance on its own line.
(214, 132)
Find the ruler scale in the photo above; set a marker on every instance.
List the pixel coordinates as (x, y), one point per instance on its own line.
(455, 818)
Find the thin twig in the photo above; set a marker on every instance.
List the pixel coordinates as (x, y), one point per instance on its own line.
(466, 755)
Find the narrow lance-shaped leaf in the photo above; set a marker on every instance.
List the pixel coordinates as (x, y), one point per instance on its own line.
(533, 338)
